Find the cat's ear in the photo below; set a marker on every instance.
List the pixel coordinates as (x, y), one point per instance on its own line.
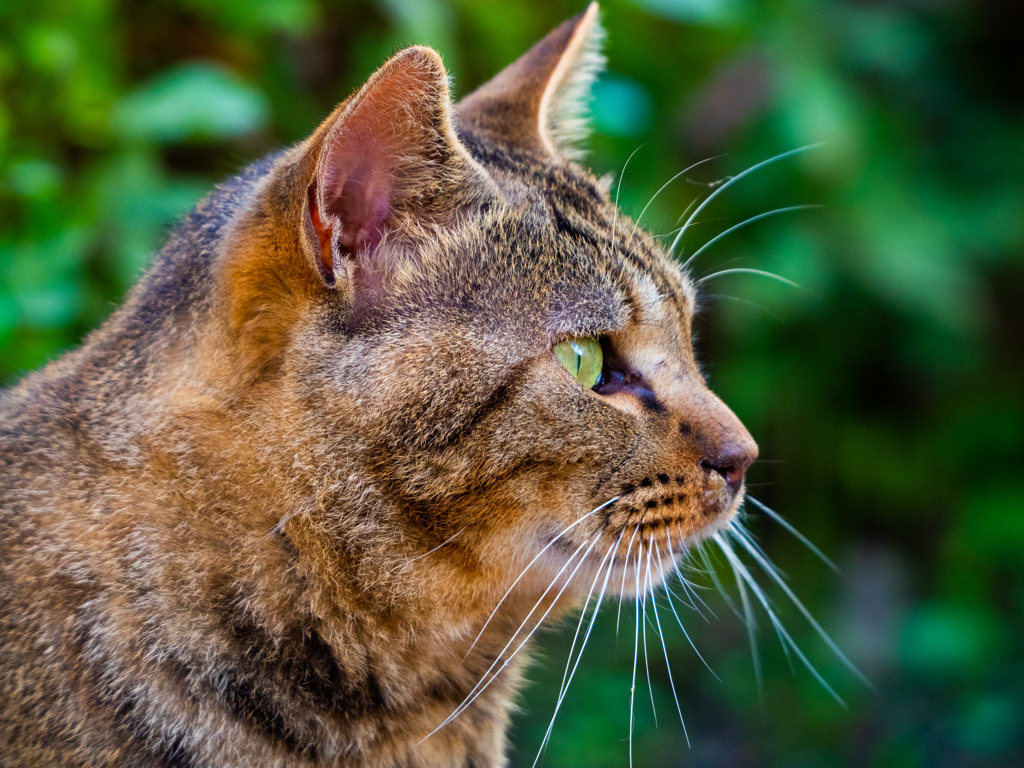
(540, 101)
(387, 154)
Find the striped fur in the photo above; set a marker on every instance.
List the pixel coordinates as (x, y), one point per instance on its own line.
(259, 517)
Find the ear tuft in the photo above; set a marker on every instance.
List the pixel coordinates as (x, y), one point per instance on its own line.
(540, 101)
(565, 106)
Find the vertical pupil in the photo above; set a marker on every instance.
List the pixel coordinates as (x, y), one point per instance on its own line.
(579, 358)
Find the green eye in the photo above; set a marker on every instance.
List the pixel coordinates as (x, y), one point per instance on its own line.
(582, 357)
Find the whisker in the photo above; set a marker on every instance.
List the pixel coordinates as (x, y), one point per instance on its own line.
(789, 527)
(728, 184)
(530, 565)
(684, 581)
(687, 209)
(749, 271)
(742, 224)
(712, 571)
(647, 666)
(760, 307)
(748, 613)
(449, 540)
(583, 613)
(633, 249)
(625, 570)
(618, 188)
(664, 650)
(636, 652)
(685, 600)
(744, 539)
(686, 634)
(567, 681)
(663, 187)
(784, 636)
(481, 686)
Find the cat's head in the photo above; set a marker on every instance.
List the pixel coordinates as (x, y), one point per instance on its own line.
(479, 346)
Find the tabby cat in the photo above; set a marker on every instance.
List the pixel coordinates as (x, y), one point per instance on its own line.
(414, 368)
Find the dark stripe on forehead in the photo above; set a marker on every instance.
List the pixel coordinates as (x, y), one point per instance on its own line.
(581, 212)
(570, 213)
(678, 298)
(669, 284)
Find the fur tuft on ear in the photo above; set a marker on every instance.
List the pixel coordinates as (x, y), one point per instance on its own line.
(564, 117)
(540, 101)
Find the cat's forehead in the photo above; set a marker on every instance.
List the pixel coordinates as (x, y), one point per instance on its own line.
(561, 216)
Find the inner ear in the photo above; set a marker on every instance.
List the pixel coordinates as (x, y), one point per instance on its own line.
(389, 154)
(360, 183)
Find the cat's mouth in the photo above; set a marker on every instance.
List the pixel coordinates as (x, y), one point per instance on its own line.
(645, 531)
(658, 506)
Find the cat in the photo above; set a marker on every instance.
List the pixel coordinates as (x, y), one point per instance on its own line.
(384, 403)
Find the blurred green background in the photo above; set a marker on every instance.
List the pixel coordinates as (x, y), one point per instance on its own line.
(886, 393)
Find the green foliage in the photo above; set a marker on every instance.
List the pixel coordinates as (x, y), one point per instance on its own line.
(886, 394)
(190, 102)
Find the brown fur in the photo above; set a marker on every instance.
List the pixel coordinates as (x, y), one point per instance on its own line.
(260, 516)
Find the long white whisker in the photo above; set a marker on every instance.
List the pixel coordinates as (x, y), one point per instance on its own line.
(663, 187)
(625, 570)
(712, 571)
(749, 271)
(618, 188)
(742, 224)
(728, 184)
(646, 239)
(679, 621)
(784, 636)
(685, 599)
(664, 650)
(449, 540)
(735, 529)
(687, 209)
(530, 565)
(759, 307)
(647, 665)
(748, 613)
(743, 537)
(789, 527)
(636, 651)
(583, 613)
(683, 580)
(593, 617)
(484, 681)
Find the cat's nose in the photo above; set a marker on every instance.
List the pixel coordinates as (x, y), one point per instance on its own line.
(730, 462)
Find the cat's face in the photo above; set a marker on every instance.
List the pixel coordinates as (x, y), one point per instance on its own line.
(500, 357)
(497, 433)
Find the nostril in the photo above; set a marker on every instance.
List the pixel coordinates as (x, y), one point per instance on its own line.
(731, 463)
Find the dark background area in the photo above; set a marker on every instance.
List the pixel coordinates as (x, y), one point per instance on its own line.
(886, 393)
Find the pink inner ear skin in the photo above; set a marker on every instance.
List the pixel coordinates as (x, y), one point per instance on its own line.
(362, 206)
(387, 149)
(359, 183)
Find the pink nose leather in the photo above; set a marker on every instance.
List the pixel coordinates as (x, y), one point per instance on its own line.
(731, 462)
